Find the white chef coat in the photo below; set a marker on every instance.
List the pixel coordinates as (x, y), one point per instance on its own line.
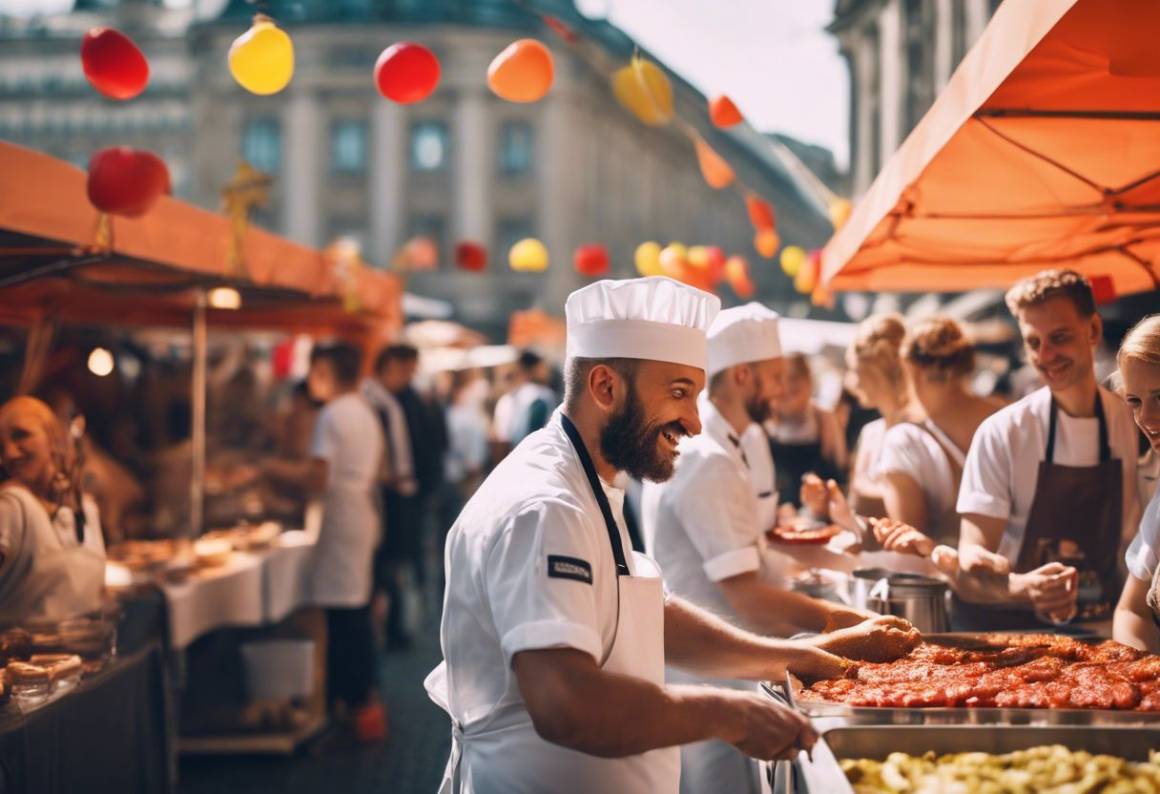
(529, 566)
(1143, 555)
(349, 438)
(1002, 466)
(702, 525)
(47, 575)
(911, 450)
(762, 473)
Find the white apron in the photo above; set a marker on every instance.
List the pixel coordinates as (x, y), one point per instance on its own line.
(502, 754)
(51, 576)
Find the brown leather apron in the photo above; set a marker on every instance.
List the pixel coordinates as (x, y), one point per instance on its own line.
(1075, 519)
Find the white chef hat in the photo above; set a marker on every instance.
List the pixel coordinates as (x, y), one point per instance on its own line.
(741, 335)
(653, 318)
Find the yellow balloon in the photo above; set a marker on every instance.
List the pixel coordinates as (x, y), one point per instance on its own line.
(699, 257)
(528, 256)
(648, 259)
(644, 90)
(840, 209)
(792, 259)
(262, 58)
(804, 282)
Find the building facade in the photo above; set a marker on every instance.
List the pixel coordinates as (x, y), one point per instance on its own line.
(572, 169)
(900, 54)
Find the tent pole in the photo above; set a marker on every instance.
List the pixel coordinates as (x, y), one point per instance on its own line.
(197, 401)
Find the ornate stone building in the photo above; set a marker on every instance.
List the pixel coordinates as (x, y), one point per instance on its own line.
(574, 168)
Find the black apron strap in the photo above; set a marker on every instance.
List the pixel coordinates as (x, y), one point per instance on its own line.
(1052, 420)
(598, 492)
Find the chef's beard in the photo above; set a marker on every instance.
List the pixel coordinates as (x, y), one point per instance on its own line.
(758, 409)
(630, 443)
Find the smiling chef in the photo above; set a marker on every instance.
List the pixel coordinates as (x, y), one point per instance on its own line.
(555, 634)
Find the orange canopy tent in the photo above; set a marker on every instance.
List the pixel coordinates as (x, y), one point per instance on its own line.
(1042, 151)
(155, 264)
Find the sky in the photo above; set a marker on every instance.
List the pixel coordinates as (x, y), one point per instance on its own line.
(772, 57)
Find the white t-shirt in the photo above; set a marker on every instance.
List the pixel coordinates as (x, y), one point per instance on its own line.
(702, 525)
(1002, 467)
(869, 447)
(1144, 554)
(529, 566)
(523, 399)
(349, 438)
(911, 450)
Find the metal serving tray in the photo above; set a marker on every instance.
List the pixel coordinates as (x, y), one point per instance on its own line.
(823, 775)
(963, 715)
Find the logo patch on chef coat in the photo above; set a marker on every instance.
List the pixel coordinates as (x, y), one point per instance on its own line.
(560, 567)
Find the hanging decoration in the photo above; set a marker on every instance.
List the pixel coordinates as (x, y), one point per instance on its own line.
(647, 259)
(723, 112)
(418, 253)
(737, 274)
(262, 58)
(528, 256)
(113, 64)
(760, 211)
(406, 72)
(471, 256)
(1103, 289)
(591, 260)
(698, 257)
(126, 182)
(248, 188)
(714, 169)
(673, 259)
(716, 264)
(840, 210)
(644, 90)
(807, 278)
(523, 72)
(560, 29)
(822, 297)
(792, 258)
(766, 241)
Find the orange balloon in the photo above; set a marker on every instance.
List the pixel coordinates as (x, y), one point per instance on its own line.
(716, 171)
(723, 112)
(737, 274)
(760, 212)
(523, 72)
(766, 242)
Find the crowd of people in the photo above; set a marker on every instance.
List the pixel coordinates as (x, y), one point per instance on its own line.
(511, 496)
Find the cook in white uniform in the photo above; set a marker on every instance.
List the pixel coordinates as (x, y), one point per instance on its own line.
(345, 464)
(1137, 620)
(555, 635)
(1048, 496)
(706, 528)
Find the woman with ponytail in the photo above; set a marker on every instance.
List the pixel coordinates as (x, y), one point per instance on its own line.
(52, 558)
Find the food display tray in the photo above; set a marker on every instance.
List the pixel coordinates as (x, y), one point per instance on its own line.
(965, 715)
(823, 774)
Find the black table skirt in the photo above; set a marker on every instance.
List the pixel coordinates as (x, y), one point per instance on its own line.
(112, 734)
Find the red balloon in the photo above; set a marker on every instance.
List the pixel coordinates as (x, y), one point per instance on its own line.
(591, 260)
(407, 72)
(760, 212)
(127, 182)
(113, 64)
(471, 256)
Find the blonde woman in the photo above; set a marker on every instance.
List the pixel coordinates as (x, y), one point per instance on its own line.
(876, 377)
(52, 558)
(921, 462)
(1137, 616)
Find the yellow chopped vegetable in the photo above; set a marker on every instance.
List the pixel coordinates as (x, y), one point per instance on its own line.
(1050, 769)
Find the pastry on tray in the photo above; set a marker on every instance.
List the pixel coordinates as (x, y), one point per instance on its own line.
(804, 530)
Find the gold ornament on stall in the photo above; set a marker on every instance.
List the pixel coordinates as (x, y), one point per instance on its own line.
(345, 256)
(248, 188)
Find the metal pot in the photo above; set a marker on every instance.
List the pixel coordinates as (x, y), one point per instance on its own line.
(862, 582)
(920, 599)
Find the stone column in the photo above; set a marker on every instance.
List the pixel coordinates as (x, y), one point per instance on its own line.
(892, 78)
(302, 148)
(978, 13)
(944, 56)
(474, 163)
(388, 178)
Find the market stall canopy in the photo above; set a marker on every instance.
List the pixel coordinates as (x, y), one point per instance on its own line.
(1042, 151)
(49, 266)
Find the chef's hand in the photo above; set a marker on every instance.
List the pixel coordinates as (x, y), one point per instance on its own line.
(977, 560)
(1052, 589)
(814, 497)
(841, 617)
(811, 662)
(897, 536)
(883, 639)
(762, 728)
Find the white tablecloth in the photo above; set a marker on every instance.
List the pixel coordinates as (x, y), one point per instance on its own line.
(214, 598)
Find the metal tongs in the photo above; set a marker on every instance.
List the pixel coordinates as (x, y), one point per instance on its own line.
(787, 766)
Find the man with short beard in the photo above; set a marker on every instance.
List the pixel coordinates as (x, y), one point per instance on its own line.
(555, 634)
(704, 527)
